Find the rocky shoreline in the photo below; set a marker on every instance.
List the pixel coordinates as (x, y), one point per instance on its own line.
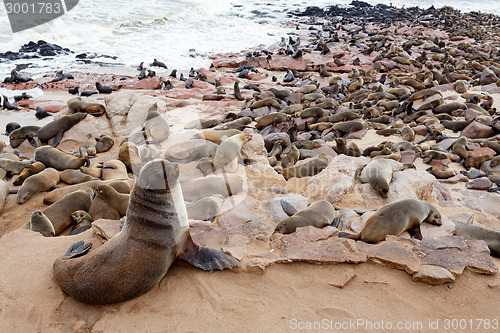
(344, 86)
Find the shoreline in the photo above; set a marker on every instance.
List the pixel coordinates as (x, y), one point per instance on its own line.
(328, 52)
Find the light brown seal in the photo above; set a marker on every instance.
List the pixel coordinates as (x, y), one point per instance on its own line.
(156, 128)
(83, 221)
(229, 150)
(72, 176)
(205, 209)
(115, 199)
(52, 157)
(216, 135)
(104, 143)
(114, 169)
(319, 214)
(30, 171)
(39, 222)
(395, 218)
(378, 173)
(43, 181)
(129, 155)
(141, 254)
(190, 150)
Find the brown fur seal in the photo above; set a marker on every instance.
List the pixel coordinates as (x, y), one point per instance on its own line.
(43, 181)
(114, 169)
(141, 254)
(491, 237)
(77, 105)
(104, 143)
(395, 218)
(216, 135)
(4, 192)
(129, 155)
(441, 171)
(476, 161)
(237, 124)
(100, 209)
(314, 112)
(83, 221)
(156, 128)
(459, 147)
(319, 214)
(39, 222)
(348, 126)
(59, 213)
(308, 168)
(407, 133)
(229, 184)
(56, 128)
(205, 209)
(57, 159)
(114, 198)
(272, 118)
(229, 150)
(18, 136)
(291, 157)
(187, 151)
(72, 176)
(378, 173)
(266, 102)
(30, 171)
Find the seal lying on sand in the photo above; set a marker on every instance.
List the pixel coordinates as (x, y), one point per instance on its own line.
(155, 233)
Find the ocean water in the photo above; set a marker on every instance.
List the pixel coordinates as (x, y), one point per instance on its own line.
(180, 33)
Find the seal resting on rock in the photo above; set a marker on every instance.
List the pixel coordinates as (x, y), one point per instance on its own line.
(395, 218)
(155, 233)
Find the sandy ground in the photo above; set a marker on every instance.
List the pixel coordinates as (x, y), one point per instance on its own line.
(285, 298)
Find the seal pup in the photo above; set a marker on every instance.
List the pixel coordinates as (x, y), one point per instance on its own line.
(59, 213)
(205, 209)
(491, 237)
(56, 128)
(10, 127)
(395, 218)
(43, 181)
(13, 167)
(319, 214)
(52, 157)
(83, 222)
(29, 171)
(129, 155)
(39, 222)
(378, 173)
(155, 233)
(104, 143)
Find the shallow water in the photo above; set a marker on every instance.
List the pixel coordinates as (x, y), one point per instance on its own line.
(180, 33)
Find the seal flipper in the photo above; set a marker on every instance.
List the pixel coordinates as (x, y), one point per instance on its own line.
(344, 234)
(57, 139)
(76, 250)
(206, 258)
(288, 208)
(415, 232)
(32, 141)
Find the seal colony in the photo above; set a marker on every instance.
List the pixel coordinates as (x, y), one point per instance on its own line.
(348, 80)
